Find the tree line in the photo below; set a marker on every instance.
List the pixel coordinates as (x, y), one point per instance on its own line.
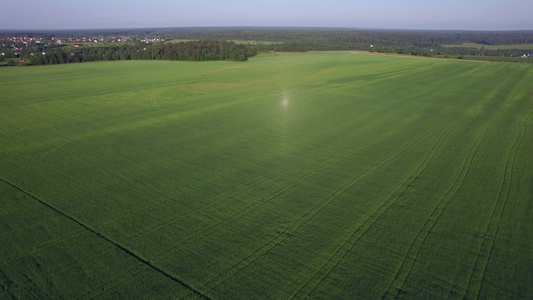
(205, 50)
(215, 43)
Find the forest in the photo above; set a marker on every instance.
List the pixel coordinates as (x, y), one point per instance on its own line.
(193, 51)
(205, 50)
(218, 43)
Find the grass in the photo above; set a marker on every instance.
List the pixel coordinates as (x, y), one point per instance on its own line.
(326, 175)
(493, 47)
(521, 60)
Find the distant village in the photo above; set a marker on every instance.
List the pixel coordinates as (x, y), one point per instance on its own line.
(56, 40)
(11, 46)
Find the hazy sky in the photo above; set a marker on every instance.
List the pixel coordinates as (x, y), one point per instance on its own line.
(389, 14)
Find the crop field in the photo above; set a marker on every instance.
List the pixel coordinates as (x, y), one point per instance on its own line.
(331, 175)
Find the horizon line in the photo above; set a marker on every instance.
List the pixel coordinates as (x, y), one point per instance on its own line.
(265, 27)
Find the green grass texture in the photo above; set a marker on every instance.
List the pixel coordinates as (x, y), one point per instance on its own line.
(325, 175)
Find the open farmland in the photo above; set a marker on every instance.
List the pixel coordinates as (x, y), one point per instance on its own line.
(323, 175)
(493, 47)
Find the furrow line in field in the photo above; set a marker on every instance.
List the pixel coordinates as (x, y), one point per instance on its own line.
(476, 270)
(273, 173)
(122, 248)
(414, 248)
(474, 288)
(443, 202)
(278, 239)
(276, 193)
(259, 179)
(359, 231)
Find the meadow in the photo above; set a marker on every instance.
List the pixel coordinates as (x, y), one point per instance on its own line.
(326, 175)
(493, 47)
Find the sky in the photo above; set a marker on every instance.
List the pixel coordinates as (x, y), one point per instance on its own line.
(383, 14)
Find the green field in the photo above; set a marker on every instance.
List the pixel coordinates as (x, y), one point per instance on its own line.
(493, 47)
(330, 175)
